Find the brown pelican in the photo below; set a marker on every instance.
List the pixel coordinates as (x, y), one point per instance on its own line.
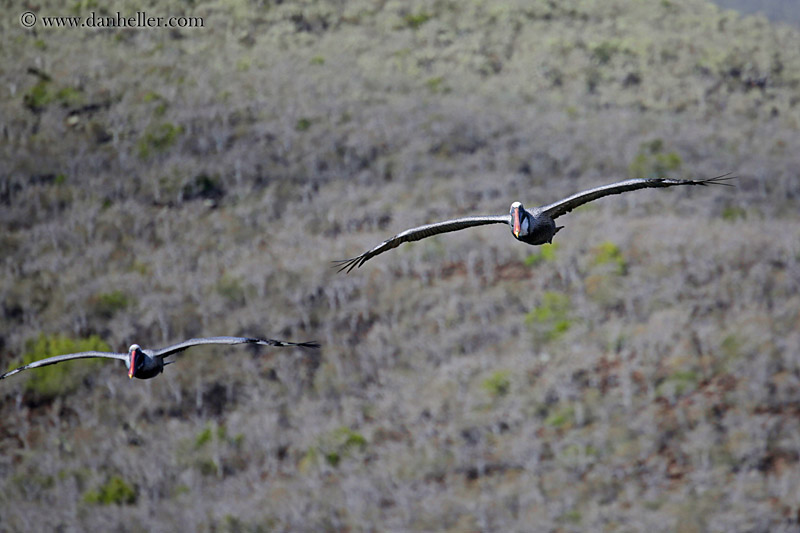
(146, 364)
(533, 227)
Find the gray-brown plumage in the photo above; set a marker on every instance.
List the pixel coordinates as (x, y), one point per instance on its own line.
(145, 363)
(533, 227)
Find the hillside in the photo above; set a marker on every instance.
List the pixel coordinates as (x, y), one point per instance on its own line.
(157, 184)
(781, 11)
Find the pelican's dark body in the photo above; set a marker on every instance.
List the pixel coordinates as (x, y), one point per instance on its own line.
(543, 229)
(535, 227)
(145, 365)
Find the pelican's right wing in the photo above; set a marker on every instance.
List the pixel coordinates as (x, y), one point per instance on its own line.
(566, 205)
(421, 232)
(67, 357)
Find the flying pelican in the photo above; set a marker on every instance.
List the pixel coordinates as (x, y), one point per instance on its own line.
(145, 363)
(533, 227)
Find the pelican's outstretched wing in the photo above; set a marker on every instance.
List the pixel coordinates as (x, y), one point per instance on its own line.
(421, 232)
(175, 348)
(66, 357)
(566, 205)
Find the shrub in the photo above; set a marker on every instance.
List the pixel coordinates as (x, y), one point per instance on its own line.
(158, 139)
(416, 20)
(651, 161)
(203, 187)
(560, 418)
(231, 289)
(42, 94)
(335, 446)
(732, 213)
(207, 435)
(62, 378)
(546, 252)
(608, 253)
(115, 491)
(107, 304)
(435, 84)
(550, 319)
(497, 384)
(678, 383)
(38, 97)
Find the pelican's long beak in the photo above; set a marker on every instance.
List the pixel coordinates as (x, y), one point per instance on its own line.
(133, 364)
(515, 215)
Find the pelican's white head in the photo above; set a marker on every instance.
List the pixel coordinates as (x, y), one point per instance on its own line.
(517, 217)
(134, 353)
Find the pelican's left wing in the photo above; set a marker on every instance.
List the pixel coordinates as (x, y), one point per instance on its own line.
(175, 348)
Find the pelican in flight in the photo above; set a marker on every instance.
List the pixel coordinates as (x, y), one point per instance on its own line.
(145, 363)
(535, 226)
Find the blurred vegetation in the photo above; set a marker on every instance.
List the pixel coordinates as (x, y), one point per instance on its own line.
(638, 374)
(158, 138)
(107, 304)
(546, 252)
(652, 162)
(498, 384)
(608, 253)
(60, 379)
(341, 443)
(550, 319)
(113, 492)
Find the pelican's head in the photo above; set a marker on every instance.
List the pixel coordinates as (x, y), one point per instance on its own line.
(136, 359)
(519, 222)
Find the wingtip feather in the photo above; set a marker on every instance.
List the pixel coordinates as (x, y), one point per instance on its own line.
(720, 180)
(346, 265)
(309, 344)
(12, 372)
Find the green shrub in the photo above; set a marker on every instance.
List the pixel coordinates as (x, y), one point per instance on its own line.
(498, 384)
(38, 97)
(204, 437)
(42, 94)
(546, 252)
(207, 434)
(212, 451)
(416, 20)
(334, 446)
(560, 418)
(607, 253)
(107, 304)
(732, 213)
(158, 139)
(651, 161)
(115, 491)
(62, 378)
(69, 97)
(436, 85)
(573, 516)
(603, 52)
(231, 289)
(550, 319)
(678, 383)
